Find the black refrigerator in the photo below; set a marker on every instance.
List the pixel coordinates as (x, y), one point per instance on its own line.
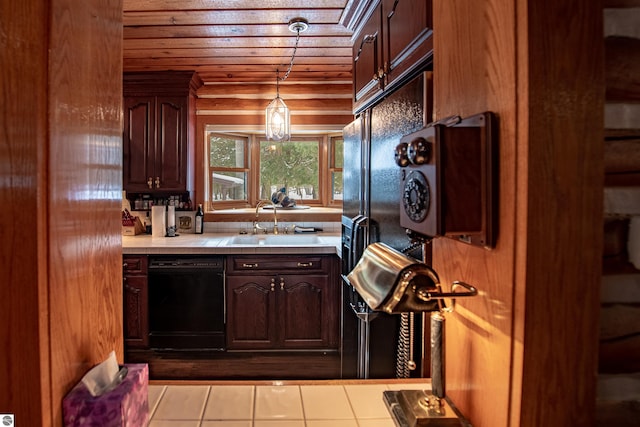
(371, 213)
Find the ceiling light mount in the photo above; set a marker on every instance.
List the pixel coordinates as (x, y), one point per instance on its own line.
(298, 25)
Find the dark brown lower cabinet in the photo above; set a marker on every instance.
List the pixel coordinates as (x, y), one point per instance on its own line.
(135, 297)
(293, 306)
(282, 322)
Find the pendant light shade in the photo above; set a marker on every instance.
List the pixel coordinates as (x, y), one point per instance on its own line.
(277, 115)
(278, 120)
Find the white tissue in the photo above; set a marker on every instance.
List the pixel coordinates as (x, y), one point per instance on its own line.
(101, 376)
(158, 221)
(633, 243)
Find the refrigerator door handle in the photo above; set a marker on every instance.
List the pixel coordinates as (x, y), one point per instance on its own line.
(358, 243)
(353, 249)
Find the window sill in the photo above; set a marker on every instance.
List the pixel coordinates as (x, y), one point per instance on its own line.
(313, 214)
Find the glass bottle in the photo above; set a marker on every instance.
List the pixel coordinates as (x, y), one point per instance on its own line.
(199, 219)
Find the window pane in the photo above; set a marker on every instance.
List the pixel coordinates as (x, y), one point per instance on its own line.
(336, 185)
(338, 146)
(292, 165)
(226, 151)
(228, 186)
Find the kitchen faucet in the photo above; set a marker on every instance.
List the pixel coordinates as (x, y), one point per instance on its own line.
(257, 226)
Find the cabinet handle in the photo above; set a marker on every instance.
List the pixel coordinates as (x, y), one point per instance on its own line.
(254, 265)
(125, 265)
(150, 182)
(273, 285)
(305, 264)
(157, 182)
(281, 284)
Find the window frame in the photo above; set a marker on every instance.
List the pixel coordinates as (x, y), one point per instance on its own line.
(331, 169)
(227, 204)
(252, 162)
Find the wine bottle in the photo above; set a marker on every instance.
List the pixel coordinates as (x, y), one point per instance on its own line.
(199, 220)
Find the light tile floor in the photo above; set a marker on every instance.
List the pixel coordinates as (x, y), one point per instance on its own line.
(273, 405)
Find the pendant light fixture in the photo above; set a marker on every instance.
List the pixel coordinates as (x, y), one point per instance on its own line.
(277, 115)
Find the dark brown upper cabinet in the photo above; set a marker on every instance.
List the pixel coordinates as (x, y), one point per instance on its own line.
(392, 44)
(159, 131)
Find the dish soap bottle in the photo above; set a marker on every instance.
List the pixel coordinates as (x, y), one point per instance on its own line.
(199, 220)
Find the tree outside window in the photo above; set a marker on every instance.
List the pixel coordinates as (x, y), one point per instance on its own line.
(292, 165)
(243, 169)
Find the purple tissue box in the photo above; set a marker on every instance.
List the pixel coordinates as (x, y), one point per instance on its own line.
(125, 406)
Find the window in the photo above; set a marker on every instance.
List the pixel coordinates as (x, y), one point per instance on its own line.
(293, 166)
(243, 169)
(336, 147)
(228, 169)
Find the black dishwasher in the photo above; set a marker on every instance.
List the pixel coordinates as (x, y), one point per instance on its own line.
(186, 302)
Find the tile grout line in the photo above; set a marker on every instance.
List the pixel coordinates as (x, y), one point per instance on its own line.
(304, 414)
(155, 408)
(204, 406)
(255, 399)
(353, 411)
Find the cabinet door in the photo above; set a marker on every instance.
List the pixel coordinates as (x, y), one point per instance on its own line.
(171, 144)
(408, 43)
(136, 318)
(367, 62)
(138, 143)
(307, 309)
(251, 321)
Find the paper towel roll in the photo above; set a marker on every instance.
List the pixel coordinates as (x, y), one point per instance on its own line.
(171, 216)
(158, 223)
(633, 243)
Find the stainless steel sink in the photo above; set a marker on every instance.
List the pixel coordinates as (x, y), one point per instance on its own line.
(274, 240)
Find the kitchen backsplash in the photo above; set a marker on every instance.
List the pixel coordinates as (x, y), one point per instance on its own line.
(237, 227)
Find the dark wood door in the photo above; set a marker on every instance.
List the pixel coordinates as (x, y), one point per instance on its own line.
(170, 159)
(367, 62)
(139, 143)
(136, 317)
(307, 310)
(251, 321)
(407, 29)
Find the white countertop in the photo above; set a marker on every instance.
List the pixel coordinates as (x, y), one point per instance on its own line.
(223, 244)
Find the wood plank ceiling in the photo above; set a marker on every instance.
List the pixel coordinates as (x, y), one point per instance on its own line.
(236, 48)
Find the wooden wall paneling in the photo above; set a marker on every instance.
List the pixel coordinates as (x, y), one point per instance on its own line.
(253, 63)
(200, 152)
(235, 43)
(61, 245)
(308, 104)
(23, 262)
(84, 191)
(331, 90)
(527, 343)
(226, 4)
(474, 71)
(225, 17)
(622, 69)
(565, 108)
(253, 120)
(256, 30)
(621, 3)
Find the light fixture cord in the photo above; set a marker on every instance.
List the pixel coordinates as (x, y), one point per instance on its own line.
(295, 48)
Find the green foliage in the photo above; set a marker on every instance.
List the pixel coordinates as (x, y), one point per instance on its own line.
(226, 152)
(291, 164)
